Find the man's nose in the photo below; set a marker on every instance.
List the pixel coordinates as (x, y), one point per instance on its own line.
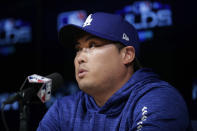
(81, 56)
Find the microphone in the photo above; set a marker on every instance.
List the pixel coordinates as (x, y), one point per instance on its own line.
(42, 86)
(57, 80)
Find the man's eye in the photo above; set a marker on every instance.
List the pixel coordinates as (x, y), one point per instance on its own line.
(92, 44)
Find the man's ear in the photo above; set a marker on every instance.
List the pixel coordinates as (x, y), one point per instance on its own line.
(128, 54)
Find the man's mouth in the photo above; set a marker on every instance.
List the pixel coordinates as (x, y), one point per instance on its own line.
(81, 73)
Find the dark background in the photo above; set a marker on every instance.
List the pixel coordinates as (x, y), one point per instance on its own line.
(171, 54)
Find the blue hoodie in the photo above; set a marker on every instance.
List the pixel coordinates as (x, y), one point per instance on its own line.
(144, 103)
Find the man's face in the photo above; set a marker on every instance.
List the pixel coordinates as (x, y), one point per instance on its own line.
(98, 64)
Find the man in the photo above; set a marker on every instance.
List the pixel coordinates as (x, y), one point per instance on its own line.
(116, 93)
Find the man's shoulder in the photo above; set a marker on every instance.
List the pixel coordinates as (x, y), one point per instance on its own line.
(162, 106)
(156, 85)
(163, 99)
(160, 91)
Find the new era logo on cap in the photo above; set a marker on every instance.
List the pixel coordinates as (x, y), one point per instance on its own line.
(88, 21)
(125, 37)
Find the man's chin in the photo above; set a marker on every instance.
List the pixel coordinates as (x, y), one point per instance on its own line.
(85, 87)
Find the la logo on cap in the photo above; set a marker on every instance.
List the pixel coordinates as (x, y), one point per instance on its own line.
(88, 21)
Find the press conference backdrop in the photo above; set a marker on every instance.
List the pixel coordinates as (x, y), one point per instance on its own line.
(29, 45)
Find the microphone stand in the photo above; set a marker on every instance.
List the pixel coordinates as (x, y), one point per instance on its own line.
(23, 97)
(24, 108)
(24, 115)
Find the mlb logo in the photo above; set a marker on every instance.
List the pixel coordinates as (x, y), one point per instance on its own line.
(45, 92)
(73, 17)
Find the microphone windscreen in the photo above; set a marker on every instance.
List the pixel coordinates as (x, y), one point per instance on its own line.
(57, 80)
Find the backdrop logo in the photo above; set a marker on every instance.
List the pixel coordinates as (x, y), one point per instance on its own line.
(147, 15)
(12, 32)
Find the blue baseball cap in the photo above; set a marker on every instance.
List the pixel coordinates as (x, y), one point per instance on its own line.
(104, 25)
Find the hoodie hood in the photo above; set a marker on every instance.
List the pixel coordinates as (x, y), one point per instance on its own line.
(117, 101)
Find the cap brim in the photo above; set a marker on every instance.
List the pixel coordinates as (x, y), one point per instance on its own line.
(70, 33)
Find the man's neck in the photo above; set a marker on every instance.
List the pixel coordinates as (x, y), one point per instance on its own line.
(103, 97)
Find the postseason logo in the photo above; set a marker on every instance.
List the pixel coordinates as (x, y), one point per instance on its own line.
(146, 15)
